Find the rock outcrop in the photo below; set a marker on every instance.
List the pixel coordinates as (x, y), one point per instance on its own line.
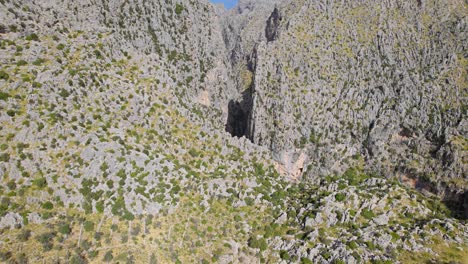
(384, 81)
(170, 131)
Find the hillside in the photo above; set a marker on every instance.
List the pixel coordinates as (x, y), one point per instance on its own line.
(166, 131)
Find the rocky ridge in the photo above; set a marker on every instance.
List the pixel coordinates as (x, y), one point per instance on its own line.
(113, 136)
(383, 80)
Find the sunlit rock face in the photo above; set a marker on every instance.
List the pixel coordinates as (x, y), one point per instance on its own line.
(171, 131)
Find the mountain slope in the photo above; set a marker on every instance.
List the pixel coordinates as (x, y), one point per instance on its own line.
(116, 137)
(381, 80)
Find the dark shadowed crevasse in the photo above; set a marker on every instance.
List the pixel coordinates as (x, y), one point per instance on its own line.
(239, 115)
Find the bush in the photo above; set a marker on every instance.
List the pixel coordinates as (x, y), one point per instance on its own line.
(32, 37)
(38, 62)
(395, 236)
(65, 229)
(368, 214)
(128, 216)
(284, 255)
(5, 157)
(48, 206)
(21, 63)
(258, 243)
(88, 226)
(40, 182)
(354, 176)
(340, 197)
(370, 245)
(60, 46)
(4, 76)
(306, 261)
(13, 28)
(46, 240)
(64, 93)
(11, 113)
(249, 201)
(326, 255)
(353, 245)
(4, 96)
(179, 9)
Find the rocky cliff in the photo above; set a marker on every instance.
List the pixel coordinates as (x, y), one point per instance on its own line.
(169, 131)
(341, 81)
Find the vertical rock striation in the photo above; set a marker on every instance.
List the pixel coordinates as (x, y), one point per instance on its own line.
(349, 81)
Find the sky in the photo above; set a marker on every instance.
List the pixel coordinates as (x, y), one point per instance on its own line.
(227, 3)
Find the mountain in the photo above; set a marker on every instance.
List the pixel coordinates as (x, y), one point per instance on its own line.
(298, 131)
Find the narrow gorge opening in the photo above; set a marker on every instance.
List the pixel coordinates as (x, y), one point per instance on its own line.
(239, 115)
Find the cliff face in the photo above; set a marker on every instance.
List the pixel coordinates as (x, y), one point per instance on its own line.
(385, 82)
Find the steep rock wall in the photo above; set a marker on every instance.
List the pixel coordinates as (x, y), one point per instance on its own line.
(347, 82)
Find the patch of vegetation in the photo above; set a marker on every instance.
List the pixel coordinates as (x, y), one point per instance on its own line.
(4, 96)
(32, 37)
(4, 76)
(179, 9)
(258, 243)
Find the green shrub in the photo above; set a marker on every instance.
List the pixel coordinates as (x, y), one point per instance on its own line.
(32, 37)
(340, 197)
(4, 96)
(258, 243)
(38, 62)
(65, 229)
(353, 245)
(306, 261)
(5, 157)
(21, 63)
(354, 176)
(326, 255)
(249, 201)
(64, 93)
(13, 28)
(4, 76)
(179, 9)
(11, 185)
(368, 214)
(284, 255)
(395, 236)
(60, 46)
(48, 206)
(11, 113)
(46, 240)
(72, 72)
(370, 245)
(40, 182)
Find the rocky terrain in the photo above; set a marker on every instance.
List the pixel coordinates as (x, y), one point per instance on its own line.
(298, 131)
